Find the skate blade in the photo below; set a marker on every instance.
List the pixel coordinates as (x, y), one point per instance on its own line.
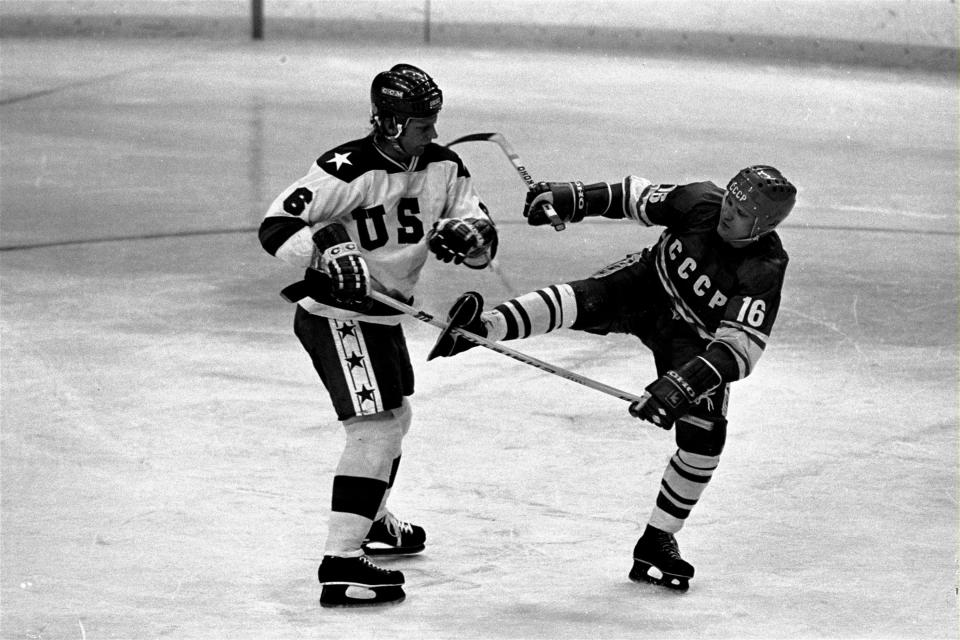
(346, 595)
(645, 572)
(375, 549)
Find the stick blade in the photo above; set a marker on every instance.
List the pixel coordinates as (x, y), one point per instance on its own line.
(473, 137)
(467, 307)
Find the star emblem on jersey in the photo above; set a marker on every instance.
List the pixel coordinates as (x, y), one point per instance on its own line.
(365, 394)
(354, 361)
(340, 159)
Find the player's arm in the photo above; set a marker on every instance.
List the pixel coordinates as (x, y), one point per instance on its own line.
(738, 345)
(732, 355)
(633, 198)
(289, 225)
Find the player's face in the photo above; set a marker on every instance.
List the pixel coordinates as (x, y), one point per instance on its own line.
(736, 224)
(418, 133)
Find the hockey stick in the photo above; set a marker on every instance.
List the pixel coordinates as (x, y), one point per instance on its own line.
(507, 149)
(423, 316)
(494, 266)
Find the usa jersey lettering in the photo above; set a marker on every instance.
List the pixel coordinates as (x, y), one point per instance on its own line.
(386, 206)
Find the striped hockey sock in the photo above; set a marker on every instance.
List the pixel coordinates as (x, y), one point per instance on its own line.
(534, 313)
(684, 481)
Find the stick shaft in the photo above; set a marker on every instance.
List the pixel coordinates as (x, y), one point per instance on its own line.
(423, 316)
(517, 163)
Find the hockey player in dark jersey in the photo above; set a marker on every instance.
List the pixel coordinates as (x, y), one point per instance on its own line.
(366, 216)
(703, 299)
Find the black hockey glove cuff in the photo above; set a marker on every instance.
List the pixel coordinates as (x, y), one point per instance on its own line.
(671, 395)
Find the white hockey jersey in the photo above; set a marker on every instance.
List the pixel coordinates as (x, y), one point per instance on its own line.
(386, 206)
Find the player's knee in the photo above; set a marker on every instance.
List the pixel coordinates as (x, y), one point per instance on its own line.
(374, 441)
(404, 416)
(593, 313)
(703, 436)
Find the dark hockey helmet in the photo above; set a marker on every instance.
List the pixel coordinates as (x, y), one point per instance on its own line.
(402, 93)
(763, 191)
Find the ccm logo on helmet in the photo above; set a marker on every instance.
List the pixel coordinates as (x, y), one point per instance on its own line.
(391, 92)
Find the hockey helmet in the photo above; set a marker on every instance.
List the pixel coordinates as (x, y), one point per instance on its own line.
(402, 93)
(762, 191)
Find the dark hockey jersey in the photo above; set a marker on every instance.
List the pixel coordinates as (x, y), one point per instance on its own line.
(729, 296)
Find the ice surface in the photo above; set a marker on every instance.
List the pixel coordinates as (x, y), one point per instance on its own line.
(167, 449)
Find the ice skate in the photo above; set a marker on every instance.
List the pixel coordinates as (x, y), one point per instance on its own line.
(357, 582)
(656, 559)
(389, 536)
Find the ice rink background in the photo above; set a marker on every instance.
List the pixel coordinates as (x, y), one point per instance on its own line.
(167, 450)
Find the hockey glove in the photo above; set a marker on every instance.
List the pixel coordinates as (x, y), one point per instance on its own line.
(338, 256)
(574, 201)
(471, 241)
(567, 199)
(464, 314)
(671, 395)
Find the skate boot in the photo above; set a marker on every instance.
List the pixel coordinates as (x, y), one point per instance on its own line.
(357, 582)
(656, 559)
(389, 536)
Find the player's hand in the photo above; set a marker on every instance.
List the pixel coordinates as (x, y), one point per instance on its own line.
(339, 258)
(458, 239)
(666, 399)
(566, 197)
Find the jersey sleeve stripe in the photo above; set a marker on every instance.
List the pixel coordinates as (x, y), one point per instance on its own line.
(756, 337)
(276, 230)
(634, 190)
(745, 345)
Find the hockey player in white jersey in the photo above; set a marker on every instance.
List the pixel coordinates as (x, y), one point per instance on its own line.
(365, 217)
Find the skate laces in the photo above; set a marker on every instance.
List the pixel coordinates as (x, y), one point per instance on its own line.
(668, 545)
(395, 526)
(365, 560)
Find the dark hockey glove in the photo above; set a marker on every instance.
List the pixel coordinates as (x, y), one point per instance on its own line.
(464, 314)
(567, 199)
(671, 395)
(338, 256)
(471, 241)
